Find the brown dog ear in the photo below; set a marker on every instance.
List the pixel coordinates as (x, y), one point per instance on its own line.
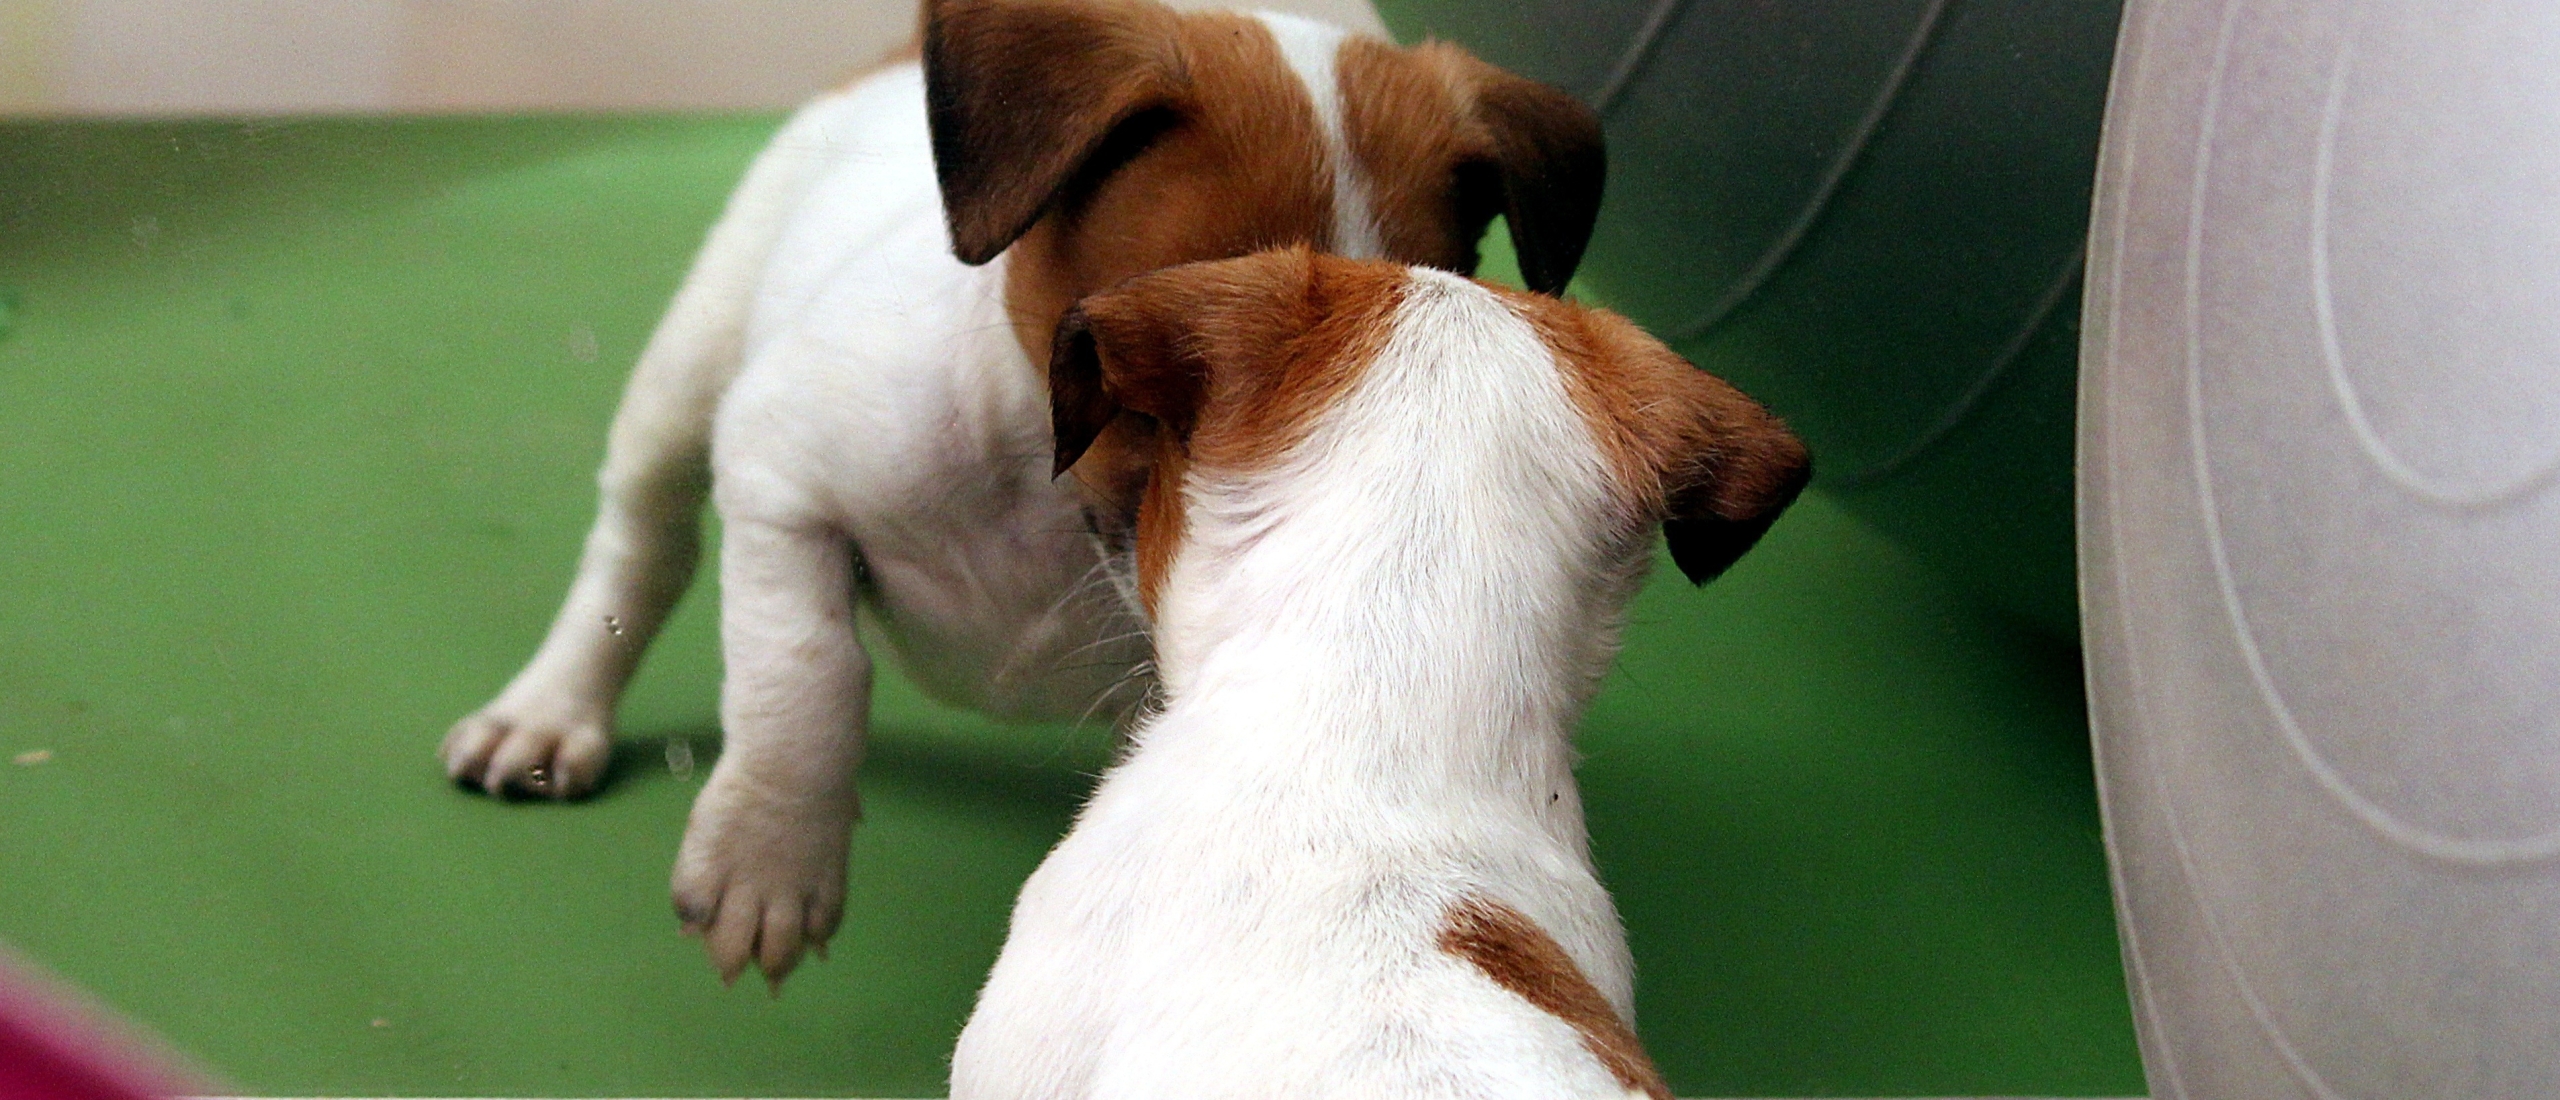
(1155, 344)
(1079, 408)
(1714, 465)
(1021, 95)
(1548, 152)
(1740, 469)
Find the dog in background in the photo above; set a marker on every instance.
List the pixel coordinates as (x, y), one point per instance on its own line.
(1393, 520)
(851, 372)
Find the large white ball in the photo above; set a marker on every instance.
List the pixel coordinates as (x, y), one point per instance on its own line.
(2320, 543)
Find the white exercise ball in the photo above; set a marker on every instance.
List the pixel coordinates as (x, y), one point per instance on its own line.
(2320, 543)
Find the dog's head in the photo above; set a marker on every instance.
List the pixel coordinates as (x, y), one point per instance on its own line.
(1104, 138)
(1100, 139)
(1586, 431)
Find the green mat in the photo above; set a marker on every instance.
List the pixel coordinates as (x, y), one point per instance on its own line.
(297, 430)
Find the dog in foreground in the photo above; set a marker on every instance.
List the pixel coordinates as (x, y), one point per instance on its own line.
(852, 372)
(1393, 520)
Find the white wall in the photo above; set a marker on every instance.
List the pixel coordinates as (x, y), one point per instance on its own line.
(163, 57)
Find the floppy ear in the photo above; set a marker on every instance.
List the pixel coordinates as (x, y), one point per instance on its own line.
(1021, 95)
(1128, 349)
(1742, 467)
(1079, 409)
(1152, 345)
(1549, 154)
(1714, 465)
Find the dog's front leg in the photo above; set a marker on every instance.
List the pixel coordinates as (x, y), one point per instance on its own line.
(549, 733)
(761, 873)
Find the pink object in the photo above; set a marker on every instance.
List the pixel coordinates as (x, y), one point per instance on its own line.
(53, 1048)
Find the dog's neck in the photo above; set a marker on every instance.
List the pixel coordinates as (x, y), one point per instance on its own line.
(1423, 596)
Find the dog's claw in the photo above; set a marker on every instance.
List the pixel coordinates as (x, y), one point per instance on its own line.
(761, 881)
(503, 754)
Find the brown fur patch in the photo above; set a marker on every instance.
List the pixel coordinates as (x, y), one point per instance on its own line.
(1519, 956)
(1231, 363)
(1100, 139)
(1447, 141)
(1412, 146)
(1685, 446)
(1103, 138)
(1232, 163)
(1553, 165)
(1238, 167)
(1022, 94)
(1162, 524)
(1265, 400)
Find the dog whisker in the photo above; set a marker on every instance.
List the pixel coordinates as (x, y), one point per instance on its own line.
(1142, 675)
(1098, 643)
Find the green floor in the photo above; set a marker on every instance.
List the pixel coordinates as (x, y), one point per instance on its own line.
(297, 425)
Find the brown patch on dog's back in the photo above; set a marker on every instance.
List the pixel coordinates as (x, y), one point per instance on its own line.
(1519, 956)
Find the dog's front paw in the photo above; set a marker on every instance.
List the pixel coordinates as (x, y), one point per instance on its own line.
(761, 875)
(512, 750)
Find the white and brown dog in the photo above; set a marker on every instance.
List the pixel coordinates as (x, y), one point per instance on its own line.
(1394, 519)
(852, 371)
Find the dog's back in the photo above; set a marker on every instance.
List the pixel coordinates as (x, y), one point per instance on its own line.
(1393, 521)
(872, 211)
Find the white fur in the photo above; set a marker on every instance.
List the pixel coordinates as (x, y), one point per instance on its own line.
(880, 438)
(1372, 659)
